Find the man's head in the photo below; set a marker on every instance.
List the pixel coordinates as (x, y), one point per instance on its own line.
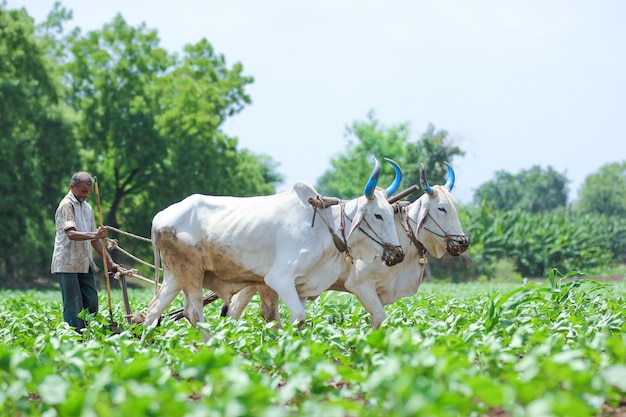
(81, 185)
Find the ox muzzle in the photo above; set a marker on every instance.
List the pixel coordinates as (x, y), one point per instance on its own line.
(392, 254)
(457, 244)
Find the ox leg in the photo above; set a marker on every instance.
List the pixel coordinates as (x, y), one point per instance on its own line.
(269, 305)
(287, 291)
(239, 302)
(163, 298)
(194, 306)
(367, 295)
(369, 298)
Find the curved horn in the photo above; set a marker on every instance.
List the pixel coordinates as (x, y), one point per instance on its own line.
(424, 182)
(372, 181)
(451, 177)
(396, 182)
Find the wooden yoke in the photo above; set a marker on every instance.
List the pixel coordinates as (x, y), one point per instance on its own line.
(412, 189)
(323, 202)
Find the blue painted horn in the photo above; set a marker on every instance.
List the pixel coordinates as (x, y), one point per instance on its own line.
(424, 182)
(396, 182)
(451, 177)
(373, 180)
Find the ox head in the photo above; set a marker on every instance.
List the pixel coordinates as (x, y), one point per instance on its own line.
(373, 215)
(438, 225)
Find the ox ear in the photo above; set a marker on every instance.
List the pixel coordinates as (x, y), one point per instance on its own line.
(356, 222)
(422, 207)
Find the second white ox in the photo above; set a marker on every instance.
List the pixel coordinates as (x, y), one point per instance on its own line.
(430, 223)
(227, 243)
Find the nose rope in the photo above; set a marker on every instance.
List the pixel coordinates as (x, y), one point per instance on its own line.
(436, 224)
(459, 246)
(445, 234)
(392, 254)
(380, 241)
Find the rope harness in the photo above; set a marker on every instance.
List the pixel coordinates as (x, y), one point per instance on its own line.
(455, 244)
(392, 254)
(341, 243)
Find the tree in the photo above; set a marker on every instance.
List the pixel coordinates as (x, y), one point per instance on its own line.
(350, 169)
(432, 150)
(111, 76)
(605, 191)
(534, 190)
(36, 141)
(197, 96)
(151, 121)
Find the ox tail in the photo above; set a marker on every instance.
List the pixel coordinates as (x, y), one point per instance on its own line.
(157, 262)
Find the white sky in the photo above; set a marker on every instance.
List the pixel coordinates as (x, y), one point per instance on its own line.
(516, 84)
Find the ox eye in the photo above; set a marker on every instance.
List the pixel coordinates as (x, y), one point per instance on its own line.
(442, 209)
(378, 216)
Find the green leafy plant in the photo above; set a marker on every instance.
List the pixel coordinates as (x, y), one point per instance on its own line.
(554, 348)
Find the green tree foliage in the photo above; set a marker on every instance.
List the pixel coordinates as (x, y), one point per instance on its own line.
(148, 122)
(112, 75)
(36, 145)
(432, 149)
(151, 123)
(351, 168)
(197, 96)
(605, 191)
(534, 190)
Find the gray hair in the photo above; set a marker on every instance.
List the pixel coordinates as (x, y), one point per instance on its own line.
(82, 177)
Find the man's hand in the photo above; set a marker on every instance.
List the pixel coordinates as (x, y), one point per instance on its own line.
(102, 232)
(113, 267)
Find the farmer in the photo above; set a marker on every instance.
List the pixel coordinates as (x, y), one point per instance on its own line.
(72, 260)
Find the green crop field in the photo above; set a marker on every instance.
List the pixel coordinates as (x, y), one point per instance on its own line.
(553, 348)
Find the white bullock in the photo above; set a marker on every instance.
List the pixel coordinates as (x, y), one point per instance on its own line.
(429, 224)
(227, 243)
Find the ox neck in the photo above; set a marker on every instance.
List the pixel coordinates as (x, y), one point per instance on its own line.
(421, 250)
(341, 243)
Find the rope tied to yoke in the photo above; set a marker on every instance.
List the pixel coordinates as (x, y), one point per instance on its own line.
(421, 250)
(132, 272)
(145, 239)
(341, 243)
